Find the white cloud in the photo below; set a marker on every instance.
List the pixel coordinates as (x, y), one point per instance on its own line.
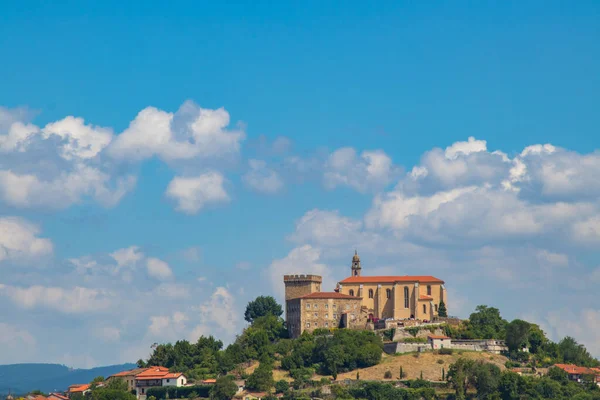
(220, 310)
(158, 269)
(168, 326)
(16, 343)
(75, 300)
(327, 228)
(373, 170)
(19, 241)
(127, 257)
(300, 260)
(583, 325)
(191, 132)
(81, 141)
(261, 178)
(472, 145)
(192, 194)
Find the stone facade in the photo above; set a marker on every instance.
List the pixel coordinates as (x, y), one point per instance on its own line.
(301, 285)
(397, 297)
(323, 310)
(359, 298)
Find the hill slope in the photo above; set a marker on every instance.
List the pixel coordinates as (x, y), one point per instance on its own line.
(23, 378)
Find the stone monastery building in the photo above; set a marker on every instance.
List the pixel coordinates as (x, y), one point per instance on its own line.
(358, 299)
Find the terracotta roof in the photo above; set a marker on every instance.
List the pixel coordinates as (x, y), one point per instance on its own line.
(209, 381)
(131, 372)
(79, 388)
(157, 373)
(392, 279)
(437, 337)
(424, 297)
(58, 396)
(574, 369)
(328, 295)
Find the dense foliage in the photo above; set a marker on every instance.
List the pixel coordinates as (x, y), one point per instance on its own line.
(261, 307)
(340, 351)
(174, 392)
(224, 389)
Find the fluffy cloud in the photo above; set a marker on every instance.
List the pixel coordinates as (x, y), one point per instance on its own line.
(220, 310)
(326, 228)
(300, 260)
(261, 178)
(128, 256)
(158, 269)
(19, 241)
(76, 300)
(372, 170)
(189, 133)
(57, 165)
(192, 194)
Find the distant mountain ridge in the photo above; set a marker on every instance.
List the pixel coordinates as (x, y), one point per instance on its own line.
(23, 378)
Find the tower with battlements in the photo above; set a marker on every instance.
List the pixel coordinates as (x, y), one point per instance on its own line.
(301, 285)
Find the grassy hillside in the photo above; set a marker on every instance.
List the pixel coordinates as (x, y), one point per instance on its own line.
(23, 378)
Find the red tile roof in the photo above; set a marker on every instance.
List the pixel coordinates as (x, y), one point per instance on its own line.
(392, 279)
(209, 381)
(328, 295)
(128, 373)
(437, 337)
(79, 388)
(58, 396)
(153, 373)
(575, 370)
(424, 297)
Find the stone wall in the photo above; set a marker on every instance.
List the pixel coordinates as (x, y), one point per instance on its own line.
(300, 285)
(423, 333)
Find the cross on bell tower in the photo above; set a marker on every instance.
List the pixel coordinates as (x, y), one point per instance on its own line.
(356, 268)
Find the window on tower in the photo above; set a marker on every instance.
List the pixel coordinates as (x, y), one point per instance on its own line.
(388, 293)
(428, 290)
(370, 293)
(406, 299)
(351, 292)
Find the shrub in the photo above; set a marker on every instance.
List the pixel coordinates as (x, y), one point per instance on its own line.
(414, 340)
(413, 330)
(440, 361)
(387, 375)
(173, 392)
(446, 351)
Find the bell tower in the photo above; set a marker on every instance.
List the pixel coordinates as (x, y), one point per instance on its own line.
(356, 268)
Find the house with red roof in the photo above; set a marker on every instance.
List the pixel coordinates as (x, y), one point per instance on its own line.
(157, 377)
(578, 374)
(79, 388)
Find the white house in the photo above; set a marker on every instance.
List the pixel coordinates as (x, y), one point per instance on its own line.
(157, 377)
(439, 342)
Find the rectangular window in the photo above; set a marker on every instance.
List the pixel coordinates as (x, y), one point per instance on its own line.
(316, 324)
(308, 324)
(428, 290)
(316, 314)
(326, 324)
(316, 306)
(307, 306)
(326, 306)
(334, 316)
(334, 306)
(326, 316)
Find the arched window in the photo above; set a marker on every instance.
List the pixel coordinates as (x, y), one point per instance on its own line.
(355, 273)
(406, 299)
(370, 293)
(428, 290)
(424, 308)
(388, 293)
(351, 292)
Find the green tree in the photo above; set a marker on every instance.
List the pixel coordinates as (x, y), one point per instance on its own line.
(224, 389)
(262, 306)
(517, 334)
(262, 378)
(510, 386)
(558, 375)
(442, 311)
(117, 384)
(486, 323)
(282, 386)
(485, 378)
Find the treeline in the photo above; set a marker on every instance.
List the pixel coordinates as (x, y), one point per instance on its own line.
(487, 323)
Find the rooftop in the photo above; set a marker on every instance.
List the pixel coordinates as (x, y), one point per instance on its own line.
(392, 279)
(328, 295)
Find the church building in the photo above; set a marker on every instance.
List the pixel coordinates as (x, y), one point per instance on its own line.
(358, 299)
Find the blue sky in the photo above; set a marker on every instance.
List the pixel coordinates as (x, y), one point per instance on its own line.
(304, 130)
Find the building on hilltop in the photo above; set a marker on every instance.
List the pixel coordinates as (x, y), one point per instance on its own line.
(396, 297)
(359, 298)
(307, 308)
